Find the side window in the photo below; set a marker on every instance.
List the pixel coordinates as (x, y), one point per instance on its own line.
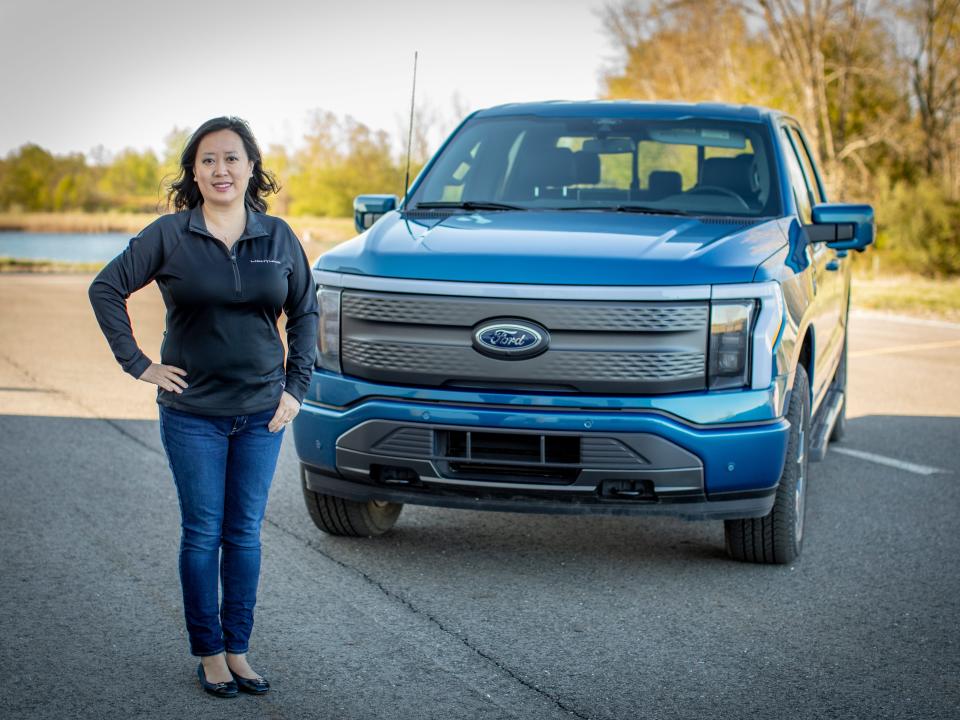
(808, 167)
(799, 184)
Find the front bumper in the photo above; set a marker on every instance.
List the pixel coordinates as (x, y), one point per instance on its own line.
(636, 461)
(739, 505)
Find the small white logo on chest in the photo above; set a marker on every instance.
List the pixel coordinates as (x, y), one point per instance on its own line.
(275, 262)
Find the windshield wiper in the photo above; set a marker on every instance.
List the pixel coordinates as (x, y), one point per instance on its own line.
(642, 209)
(466, 205)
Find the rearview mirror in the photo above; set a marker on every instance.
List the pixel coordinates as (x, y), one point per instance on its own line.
(609, 146)
(367, 209)
(842, 226)
(702, 137)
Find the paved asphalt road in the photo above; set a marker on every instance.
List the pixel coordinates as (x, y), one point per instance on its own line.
(473, 615)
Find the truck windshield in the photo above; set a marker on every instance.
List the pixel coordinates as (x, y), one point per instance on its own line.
(689, 166)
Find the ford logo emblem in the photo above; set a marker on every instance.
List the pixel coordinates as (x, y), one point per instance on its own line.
(510, 339)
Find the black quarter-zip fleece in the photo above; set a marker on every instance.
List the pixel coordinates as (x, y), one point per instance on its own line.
(223, 305)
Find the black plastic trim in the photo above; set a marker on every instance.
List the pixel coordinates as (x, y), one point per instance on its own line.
(731, 506)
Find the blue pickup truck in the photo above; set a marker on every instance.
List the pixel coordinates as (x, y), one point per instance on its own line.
(588, 307)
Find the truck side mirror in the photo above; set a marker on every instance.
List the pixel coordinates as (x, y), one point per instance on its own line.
(367, 209)
(842, 226)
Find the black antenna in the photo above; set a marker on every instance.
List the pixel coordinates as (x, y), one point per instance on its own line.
(413, 95)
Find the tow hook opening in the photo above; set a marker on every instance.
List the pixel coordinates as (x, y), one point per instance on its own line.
(627, 490)
(395, 475)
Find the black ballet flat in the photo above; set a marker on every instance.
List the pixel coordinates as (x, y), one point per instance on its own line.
(254, 686)
(221, 689)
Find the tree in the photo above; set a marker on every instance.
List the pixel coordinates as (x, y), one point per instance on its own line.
(339, 160)
(802, 33)
(934, 31)
(173, 144)
(276, 161)
(826, 61)
(132, 180)
(29, 179)
(75, 185)
(694, 51)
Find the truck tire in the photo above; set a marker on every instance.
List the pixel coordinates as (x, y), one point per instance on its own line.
(777, 537)
(350, 518)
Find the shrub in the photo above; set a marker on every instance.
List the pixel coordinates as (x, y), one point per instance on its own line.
(918, 228)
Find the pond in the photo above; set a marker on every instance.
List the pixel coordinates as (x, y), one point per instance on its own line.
(63, 247)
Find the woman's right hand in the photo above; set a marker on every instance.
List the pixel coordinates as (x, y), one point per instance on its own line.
(166, 377)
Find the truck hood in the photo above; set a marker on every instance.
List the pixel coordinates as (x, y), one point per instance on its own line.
(560, 248)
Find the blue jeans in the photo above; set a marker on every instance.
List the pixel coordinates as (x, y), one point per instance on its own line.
(222, 467)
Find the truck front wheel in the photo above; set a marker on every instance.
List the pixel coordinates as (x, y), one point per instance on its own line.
(350, 518)
(776, 538)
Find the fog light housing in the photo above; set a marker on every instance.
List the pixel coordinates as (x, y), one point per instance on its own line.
(731, 323)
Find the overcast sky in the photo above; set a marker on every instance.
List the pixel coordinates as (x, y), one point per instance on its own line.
(123, 73)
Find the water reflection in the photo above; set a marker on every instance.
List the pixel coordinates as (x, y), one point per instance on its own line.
(63, 247)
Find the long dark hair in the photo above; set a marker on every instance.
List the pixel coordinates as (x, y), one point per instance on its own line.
(184, 191)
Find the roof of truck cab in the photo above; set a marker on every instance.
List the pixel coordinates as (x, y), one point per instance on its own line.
(631, 109)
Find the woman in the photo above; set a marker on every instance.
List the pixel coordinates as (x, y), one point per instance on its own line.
(225, 271)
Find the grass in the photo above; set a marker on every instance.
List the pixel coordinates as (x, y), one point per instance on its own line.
(319, 234)
(908, 295)
(75, 222)
(16, 265)
(318, 230)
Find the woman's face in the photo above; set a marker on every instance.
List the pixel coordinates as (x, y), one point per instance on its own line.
(222, 168)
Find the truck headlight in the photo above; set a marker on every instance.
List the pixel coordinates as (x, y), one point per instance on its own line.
(731, 322)
(328, 336)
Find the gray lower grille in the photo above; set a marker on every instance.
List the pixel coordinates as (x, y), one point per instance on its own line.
(599, 347)
(392, 453)
(609, 453)
(593, 451)
(408, 441)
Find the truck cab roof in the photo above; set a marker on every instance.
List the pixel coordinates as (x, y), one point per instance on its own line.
(632, 109)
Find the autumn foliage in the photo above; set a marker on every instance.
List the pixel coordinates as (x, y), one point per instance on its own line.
(875, 83)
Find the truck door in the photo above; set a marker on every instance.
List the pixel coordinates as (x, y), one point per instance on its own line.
(827, 268)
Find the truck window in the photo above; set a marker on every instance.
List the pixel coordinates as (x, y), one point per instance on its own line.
(807, 165)
(453, 191)
(798, 183)
(691, 165)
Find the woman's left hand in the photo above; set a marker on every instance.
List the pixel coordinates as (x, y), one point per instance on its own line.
(286, 411)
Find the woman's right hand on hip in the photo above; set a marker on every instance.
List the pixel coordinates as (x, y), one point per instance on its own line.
(166, 377)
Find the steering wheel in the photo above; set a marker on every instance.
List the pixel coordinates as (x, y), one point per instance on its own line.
(717, 190)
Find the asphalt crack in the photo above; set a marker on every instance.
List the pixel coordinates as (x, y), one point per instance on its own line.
(126, 433)
(398, 598)
(37, 385)
(80, 404)
(369, 579)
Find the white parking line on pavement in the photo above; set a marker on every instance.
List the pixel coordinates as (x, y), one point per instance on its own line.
(906, 348)
(890, 462)
(907, 319)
